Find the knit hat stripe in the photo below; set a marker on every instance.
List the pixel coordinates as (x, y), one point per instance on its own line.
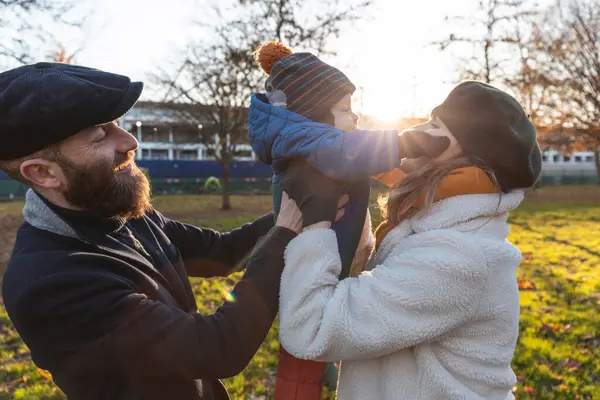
(310, 71)
(273, 77)
(322, 98)
(320, 83)
(290, 77)
(320, 77)
(323, 76)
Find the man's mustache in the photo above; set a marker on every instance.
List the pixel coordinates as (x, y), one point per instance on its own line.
(126, 159)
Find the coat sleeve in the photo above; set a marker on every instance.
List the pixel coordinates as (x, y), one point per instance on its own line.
(93, 320)
(415, 296)
(208, 253)
(347, 156)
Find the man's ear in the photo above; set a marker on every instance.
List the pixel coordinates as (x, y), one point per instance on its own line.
(41, 173)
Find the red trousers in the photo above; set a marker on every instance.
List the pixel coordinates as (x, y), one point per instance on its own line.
(298, 379)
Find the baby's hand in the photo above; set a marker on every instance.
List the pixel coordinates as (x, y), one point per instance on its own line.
(315, 194)
(415, 144)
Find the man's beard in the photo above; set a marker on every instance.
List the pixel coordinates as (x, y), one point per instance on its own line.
(100, 188)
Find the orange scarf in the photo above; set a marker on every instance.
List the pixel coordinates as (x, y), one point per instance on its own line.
(461, 181)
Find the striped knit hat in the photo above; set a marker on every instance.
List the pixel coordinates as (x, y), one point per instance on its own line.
(301, 82)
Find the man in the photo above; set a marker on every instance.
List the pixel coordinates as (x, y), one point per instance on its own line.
(97, 285)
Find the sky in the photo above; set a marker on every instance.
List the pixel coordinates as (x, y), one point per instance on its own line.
(388, 55)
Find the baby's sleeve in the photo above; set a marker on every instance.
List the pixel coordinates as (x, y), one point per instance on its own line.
(347, 156)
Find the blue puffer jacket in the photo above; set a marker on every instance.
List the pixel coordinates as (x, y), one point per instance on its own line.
(276, 135)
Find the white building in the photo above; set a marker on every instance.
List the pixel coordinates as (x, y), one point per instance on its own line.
(162, 136)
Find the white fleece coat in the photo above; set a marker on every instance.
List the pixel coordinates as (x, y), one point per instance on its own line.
(435, 317)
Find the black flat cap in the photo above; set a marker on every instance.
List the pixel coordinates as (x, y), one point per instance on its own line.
(45, 103)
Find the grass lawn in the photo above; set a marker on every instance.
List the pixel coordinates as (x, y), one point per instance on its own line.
(558, 354)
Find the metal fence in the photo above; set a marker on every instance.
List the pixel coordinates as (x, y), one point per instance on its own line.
(161, 185)
(560, 177)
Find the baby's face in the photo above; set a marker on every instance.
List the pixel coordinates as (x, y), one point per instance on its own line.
(345, 119)
(435, 127)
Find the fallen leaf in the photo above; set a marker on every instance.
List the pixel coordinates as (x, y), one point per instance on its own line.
(558, 328)
(525, 284)
(588, 336)
(529, 390)
(45, 374)
(572, 364)
(558, 378)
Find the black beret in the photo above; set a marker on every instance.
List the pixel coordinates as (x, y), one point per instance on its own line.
(45, 103)
(490, 125)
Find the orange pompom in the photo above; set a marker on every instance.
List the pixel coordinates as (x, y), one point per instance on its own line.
(269, 53)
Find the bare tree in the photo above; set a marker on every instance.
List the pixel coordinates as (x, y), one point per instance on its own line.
(572, 49)
(23, 26)
(491, 35)
(214, 82)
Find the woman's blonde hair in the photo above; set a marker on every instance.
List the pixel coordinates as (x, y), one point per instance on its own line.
(398, 204)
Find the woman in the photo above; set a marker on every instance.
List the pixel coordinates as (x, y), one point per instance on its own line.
(436, 315)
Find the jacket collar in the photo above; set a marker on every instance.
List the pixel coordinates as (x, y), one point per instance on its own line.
(38, 214)
(464, 213)
(89, 228)
(459, 210)
(44, 215)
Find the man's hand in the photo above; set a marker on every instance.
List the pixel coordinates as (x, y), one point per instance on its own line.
(289, 214)
(316, 195)
(415, 144)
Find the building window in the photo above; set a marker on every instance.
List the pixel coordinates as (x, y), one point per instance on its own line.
(544, 158)
(589, 158)
(186, 135)
(160, 155)
(555, 158)
(577, 158)
(155, 134)
(187, 155)
(566, 158)
(243, 152)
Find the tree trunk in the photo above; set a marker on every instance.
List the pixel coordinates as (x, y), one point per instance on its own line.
(225, 204)
(597, 162)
